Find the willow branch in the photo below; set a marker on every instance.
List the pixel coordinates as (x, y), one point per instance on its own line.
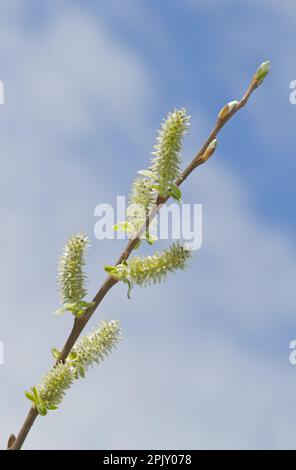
(80, 323)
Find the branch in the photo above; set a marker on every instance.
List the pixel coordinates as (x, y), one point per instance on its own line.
(201, 157)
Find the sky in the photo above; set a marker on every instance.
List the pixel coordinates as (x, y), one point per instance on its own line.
(204, 360)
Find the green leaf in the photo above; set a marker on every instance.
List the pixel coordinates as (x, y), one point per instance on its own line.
(156, 187)
(147, 173)
(72, 307)
(60, 311)
(56, 353)
(73, 356)
(76, 308)
(128, 282)
(41, 408)
(53, 407)
(175, 192)
(111, 270)
(36, 394)
(30, 396)
(83, 303)
(79, 313)
(69, 307)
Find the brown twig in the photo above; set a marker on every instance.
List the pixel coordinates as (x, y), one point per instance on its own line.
(79, 323)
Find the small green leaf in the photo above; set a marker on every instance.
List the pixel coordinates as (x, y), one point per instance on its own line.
(53, 407)
(41, 408)
(60, 311)
(72, 356)
(30, 396)
(156, 187)
(127, 281)
(111, 270)
(36, 394)
(79, 313)
(73, 307)
(56, 353)
(69, 307)
(83, 303)
(76, 308)
(175, 192)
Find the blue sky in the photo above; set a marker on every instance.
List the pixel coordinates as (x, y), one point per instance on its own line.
(204, 362)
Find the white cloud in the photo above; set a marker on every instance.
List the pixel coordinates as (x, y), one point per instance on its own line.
(253, 32)
(209, 394)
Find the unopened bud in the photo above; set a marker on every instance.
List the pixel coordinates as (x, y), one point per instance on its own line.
(227, 109)
(262, 71)
(209, 151)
